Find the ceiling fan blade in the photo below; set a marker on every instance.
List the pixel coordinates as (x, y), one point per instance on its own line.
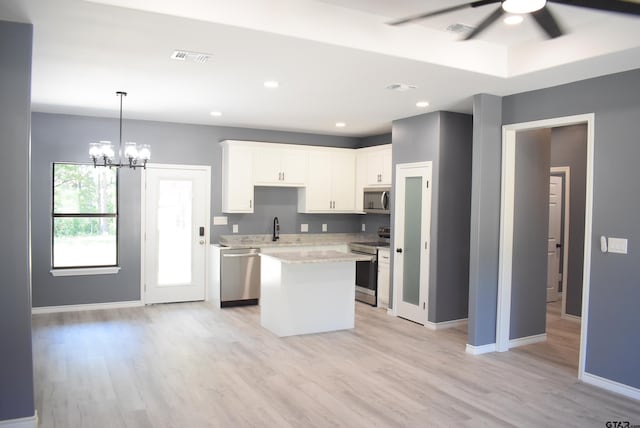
(631, 7)
(441, 11)
(549, 24)
(495, 15)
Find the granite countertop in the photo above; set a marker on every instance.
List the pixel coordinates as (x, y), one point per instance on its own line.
(327, 256)
(294, 240)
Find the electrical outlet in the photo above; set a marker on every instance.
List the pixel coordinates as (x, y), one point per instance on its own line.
(235, 228)
(304, 227)
(364, 227)
(324, 227)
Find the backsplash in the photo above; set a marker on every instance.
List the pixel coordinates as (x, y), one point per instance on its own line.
(282, 202)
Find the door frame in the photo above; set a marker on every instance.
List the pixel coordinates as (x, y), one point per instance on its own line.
(566, 188)
(396, 292)
(503, 315)
(143, 219)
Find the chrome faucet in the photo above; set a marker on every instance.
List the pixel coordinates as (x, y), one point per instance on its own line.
(276, 229)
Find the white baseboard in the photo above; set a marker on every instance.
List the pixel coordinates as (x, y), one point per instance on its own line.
(28, 422)
(570, 317)
(86, 307)
(521, 341)
(445, 324)
(610, 385)
(482, 349)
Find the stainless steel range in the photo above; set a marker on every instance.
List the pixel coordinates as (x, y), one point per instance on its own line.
(367, 271)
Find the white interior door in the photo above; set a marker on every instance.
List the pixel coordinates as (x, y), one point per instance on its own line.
(553, 249)
(411, 241)
(175, 217)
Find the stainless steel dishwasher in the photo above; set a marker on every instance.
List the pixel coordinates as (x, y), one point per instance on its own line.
(239, 276)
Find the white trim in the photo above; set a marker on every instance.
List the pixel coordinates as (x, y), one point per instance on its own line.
(612, 386)
(565, 236)
(482, 349)
(570, 317)
(521, 341)
(28, 422)
(503, 313)
(86, 271)
(588, 231)
(506, 240)
(445, 324)
(86, 307)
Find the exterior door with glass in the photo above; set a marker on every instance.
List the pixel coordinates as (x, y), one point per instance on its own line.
(175, 234)
(412, 241)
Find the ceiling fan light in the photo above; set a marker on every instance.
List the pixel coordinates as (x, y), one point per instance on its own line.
(523, 6)
(513, 20)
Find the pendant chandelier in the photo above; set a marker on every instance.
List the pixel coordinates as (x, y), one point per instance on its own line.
(133, 155)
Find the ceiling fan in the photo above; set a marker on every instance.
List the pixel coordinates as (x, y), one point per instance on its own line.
(536, 8)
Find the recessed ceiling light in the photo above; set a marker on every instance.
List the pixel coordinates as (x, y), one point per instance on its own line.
(216, 113)
(513, 20)
(341, 124)
(422, 104)
(271, 84)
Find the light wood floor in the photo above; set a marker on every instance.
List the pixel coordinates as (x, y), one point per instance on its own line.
(190, 365)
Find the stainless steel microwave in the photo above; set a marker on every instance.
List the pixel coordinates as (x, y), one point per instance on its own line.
(377, 200)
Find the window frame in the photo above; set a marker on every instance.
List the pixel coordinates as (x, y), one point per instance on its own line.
(85, 269)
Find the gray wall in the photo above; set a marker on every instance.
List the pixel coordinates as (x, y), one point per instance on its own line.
(612, 346)
(375, 140)
(569, 148)
(416, 139)
(530, 233)
(445, 139)
(485, 219)
(454, 206)
(16, 361)
(64, 138)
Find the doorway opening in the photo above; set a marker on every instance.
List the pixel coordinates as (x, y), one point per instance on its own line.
(508, 245)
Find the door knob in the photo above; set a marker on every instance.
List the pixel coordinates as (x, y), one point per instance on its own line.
(202, 242)
(398, 250)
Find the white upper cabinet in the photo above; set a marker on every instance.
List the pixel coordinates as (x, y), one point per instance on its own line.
(237, 178)
(275, 165)
(331, 182)
(373, 169)
(378, 166)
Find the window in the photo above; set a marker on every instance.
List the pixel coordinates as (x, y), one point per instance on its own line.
(84, 216)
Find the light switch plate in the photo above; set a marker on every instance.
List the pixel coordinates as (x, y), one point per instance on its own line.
(219, 220)
(304, 227)
(235, 228)
(618, 245)
(364, 227)
(324, 227)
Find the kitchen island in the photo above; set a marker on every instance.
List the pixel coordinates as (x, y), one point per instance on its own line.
(304, 292)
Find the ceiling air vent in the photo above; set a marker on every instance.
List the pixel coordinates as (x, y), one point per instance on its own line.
(460, 28)
(179, 55)
(197, 57)
(400, 87)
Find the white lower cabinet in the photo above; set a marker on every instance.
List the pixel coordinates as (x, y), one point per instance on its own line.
(330, 183)
(384, 277)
